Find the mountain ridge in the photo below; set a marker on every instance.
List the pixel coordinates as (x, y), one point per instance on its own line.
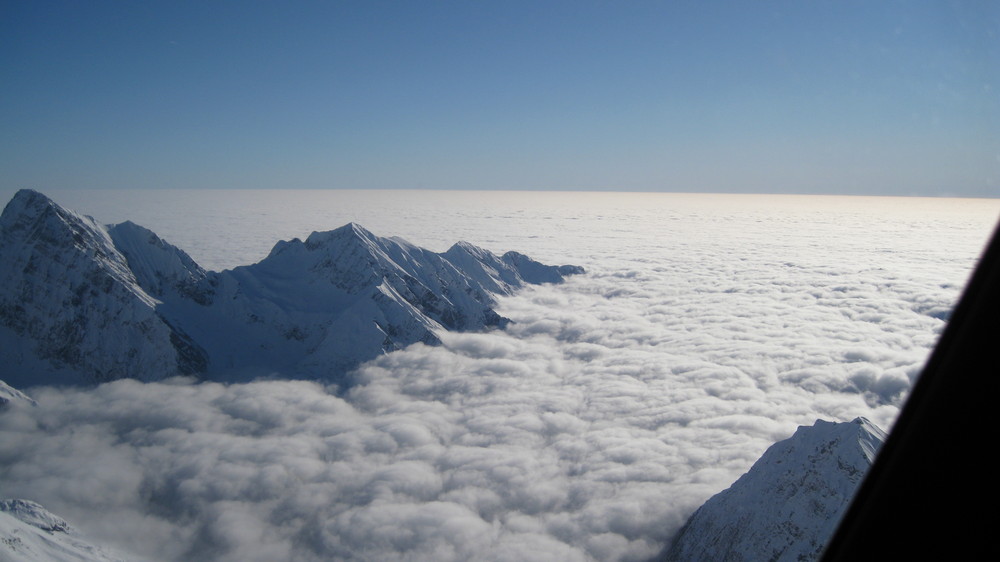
(83, 302)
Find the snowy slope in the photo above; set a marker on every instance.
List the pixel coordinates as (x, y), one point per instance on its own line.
(9, 394)
(82, 302)
(789, 503)
(70, 306)
(30, 533)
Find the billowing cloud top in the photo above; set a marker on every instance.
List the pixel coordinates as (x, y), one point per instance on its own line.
(590, 428)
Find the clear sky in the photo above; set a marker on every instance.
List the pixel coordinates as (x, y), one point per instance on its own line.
(881, 97)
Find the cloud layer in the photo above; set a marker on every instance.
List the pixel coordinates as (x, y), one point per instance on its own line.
(590, 429)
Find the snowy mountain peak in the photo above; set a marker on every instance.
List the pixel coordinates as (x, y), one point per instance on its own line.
(349, 232)
(9, 395)
(25, 207)
(35, 515)
(29, 211)
(157, 265)
(29, 532)
(382, 293)
(858, 440)
(788, 504)
(70, 304)
(25, 203)
(81, 302)
(32, 223)
(870, 438)
(465, 247)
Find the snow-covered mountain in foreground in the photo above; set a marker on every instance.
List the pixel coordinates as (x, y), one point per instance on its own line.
(83, 302)
(789, 503)
(28, 532)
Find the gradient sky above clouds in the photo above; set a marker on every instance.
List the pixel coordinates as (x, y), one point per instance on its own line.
(836, 97)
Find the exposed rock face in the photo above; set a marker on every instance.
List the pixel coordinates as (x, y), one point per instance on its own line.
(80, 302)
(789, 503)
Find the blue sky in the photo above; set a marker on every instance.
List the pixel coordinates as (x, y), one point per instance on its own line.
(896, 98)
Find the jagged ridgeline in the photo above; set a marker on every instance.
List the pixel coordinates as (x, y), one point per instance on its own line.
(82, 302)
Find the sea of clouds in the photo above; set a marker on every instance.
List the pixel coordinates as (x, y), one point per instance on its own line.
(706, 328)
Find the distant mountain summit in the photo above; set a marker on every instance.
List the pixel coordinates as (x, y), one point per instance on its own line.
(789, 503)
(83, 302)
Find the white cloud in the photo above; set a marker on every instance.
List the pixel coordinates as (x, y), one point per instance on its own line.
(590, 429)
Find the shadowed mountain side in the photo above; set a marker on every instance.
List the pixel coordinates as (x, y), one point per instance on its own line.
(85, 303)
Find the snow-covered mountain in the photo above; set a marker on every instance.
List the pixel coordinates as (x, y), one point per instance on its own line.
(83, 302)
(788, 504)
(28, 532)
(70, 304)
(9, 394)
